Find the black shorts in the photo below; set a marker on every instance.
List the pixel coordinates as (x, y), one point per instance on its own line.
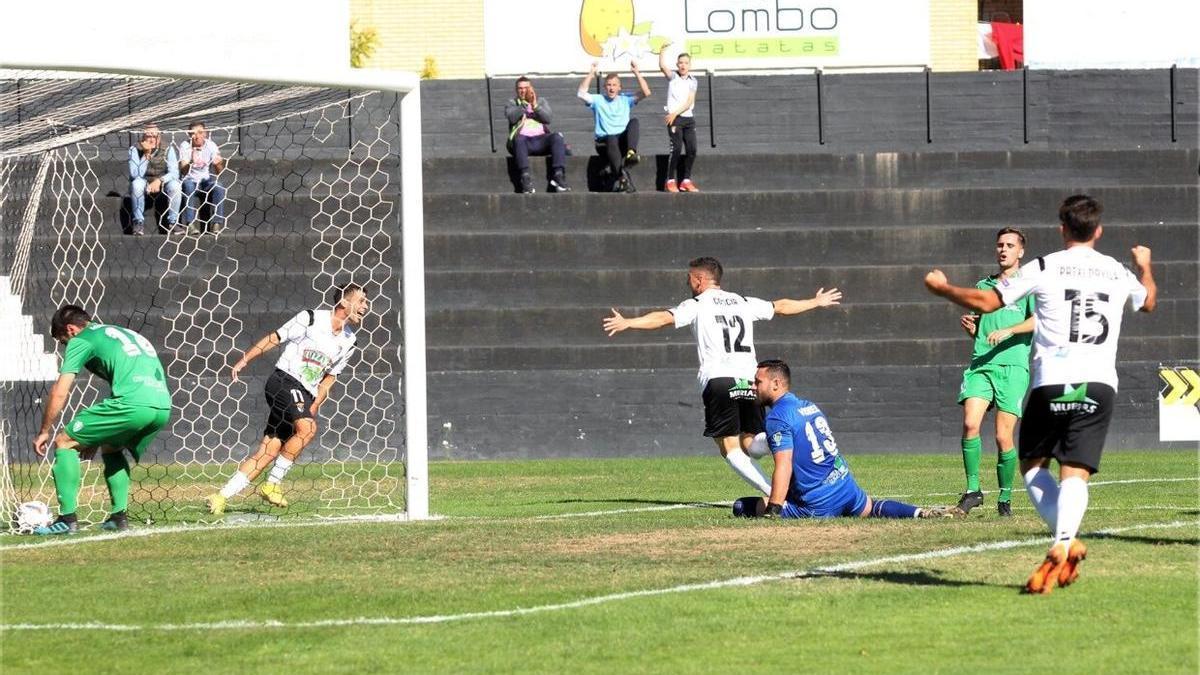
(1068, 423)
(730, 408)
(288, 401)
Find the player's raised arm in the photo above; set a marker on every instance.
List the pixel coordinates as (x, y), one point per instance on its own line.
(616, 323)
(583, 92)
(971, 298)
(1141, 263)
(823, 298)
(264, 345)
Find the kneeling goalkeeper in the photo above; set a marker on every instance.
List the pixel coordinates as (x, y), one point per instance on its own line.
(317, 346)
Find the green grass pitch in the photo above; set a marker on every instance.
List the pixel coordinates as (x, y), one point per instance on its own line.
(510, 581)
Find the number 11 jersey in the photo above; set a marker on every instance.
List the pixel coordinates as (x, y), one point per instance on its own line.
(723, 324)
(1081, 297)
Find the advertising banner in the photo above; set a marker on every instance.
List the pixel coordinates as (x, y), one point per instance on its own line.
(568, 35)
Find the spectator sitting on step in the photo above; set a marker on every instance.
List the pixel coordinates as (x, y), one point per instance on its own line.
(616, 129)
(201, 159)
(153, 171)
(529, 134)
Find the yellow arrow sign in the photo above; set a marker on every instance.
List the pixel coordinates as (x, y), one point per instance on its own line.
(1183, 385)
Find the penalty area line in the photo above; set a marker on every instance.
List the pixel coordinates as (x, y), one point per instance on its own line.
(244, 624)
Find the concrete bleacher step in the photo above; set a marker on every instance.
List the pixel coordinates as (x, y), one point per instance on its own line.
(774, 171)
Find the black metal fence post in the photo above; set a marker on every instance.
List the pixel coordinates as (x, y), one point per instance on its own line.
(1174, 67)
(712, 115)
(487, 81)
(1025, 104)
(928, 113)
(820, 113)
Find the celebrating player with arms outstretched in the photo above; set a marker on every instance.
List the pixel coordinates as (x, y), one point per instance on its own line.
(998, 376)
(318, 344)
(723, 324)
(1081, 294)
(140, 406)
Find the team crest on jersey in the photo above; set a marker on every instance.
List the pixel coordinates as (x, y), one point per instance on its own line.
(777, 438)
(77, 426)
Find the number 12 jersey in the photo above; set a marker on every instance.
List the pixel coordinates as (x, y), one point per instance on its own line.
(723, 324)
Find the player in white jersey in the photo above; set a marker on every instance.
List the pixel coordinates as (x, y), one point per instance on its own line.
(723, 324)
(1080, 295)
(317, 346)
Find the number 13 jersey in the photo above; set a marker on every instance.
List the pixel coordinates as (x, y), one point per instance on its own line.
(1081, 296)
(723, 324)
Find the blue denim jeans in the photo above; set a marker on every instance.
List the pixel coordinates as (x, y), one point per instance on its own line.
(211, 191)
(137, 197)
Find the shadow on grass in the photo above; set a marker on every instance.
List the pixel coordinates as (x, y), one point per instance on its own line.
(922, 578)
(1153, 541)
(653, 502)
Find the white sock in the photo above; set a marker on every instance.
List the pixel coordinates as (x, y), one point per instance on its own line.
(1043, 492)
(282, 466)
(236, 484)
(758, 447)
(1072, 503)
(748, 470)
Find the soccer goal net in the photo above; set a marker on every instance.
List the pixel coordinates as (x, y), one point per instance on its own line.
(317, 185)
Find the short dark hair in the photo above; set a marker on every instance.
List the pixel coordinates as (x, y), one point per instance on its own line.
(708, 264)
(777, 368)
(1080, 215)
(611, 76)
(340, 292)
(1011, 230)
(523, 79)
(683, 54)
(68, 315)
(196, 123)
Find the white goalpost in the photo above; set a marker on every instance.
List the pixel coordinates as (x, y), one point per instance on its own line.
(308, 203)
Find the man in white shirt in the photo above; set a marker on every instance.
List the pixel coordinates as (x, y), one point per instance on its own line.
(681, 122)
(317, 346)
(1080, 295)
(723, 324)
(200, 162)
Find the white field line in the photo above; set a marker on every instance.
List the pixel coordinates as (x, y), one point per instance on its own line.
(243, 624)
(401, 518)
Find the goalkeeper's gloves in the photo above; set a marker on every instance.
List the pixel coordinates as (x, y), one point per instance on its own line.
(773, 511)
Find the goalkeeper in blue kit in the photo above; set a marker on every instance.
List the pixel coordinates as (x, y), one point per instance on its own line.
(811, 479)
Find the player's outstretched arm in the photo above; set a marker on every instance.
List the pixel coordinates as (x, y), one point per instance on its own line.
(997, 336)
(823, 298)
(264, 345)
(616, 323)
(1141, 263)
(55, 402)
(584, 86)
(971, 298)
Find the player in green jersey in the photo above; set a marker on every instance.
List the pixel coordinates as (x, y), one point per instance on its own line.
(140, 406)
(997, 377)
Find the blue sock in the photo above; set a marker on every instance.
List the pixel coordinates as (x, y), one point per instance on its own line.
(887, 508)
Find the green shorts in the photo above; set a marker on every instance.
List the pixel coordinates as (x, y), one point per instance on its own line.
(116, 424)
(1003, 386)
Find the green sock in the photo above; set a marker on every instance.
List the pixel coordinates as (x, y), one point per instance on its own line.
(970, 449)
(116, 474)
(1006, 472)
(66, 480)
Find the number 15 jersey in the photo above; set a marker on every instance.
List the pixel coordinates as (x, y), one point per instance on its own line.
(1081, 296)
(723, 324)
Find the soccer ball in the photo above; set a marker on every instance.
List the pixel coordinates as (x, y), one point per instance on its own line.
(32, 515)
